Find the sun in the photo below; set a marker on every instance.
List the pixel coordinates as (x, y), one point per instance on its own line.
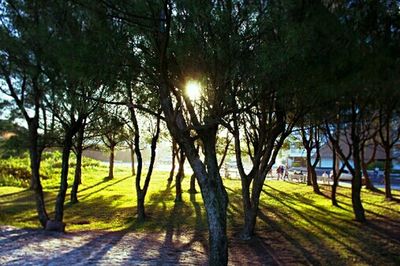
(193, 90)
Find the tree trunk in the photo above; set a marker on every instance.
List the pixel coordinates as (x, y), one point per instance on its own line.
(141, 216)
(111, 165)
(356, 181)
(179, 176)
(311, 174)
(333, 192)
(309, 181)
(335, 177)
(35, 159)
(78, 167)
(250, 211)
(174, 151)
(364, 165)
(192, 189)
(216, 201)
(132, 149)
(388, 189)
(59, 210)
(368, 182)
(314, 180)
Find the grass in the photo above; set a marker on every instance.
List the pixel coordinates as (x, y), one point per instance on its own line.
(293, 220)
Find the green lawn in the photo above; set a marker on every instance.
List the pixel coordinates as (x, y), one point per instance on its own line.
(293, 220)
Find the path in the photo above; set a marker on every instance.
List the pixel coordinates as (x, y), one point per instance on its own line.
(38, 247)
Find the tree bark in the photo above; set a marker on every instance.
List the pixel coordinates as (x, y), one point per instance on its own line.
(250, 211)
(335, 177)
(179, 176)
(35, 159)
(309, 181)
(67, 145)
(356, 171)
(174, 151)
(311, 173)
(216, 201)
(364, 165)
(192, 189)
(388, 189)
(111, 163)
(141, 192)
(78, 167)
(213, 192)
(132, 150)
(368, 183)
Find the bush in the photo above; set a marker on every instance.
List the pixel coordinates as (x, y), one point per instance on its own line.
(15, 171)
(377, 164)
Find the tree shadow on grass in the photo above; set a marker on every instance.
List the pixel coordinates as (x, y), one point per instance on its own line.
(314, 228)
(14, 193)
(108, 183)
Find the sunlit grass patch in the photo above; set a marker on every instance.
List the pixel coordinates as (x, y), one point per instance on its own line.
(292, 218)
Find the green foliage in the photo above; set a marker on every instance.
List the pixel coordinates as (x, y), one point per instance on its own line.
(15, 171)
(376, 164)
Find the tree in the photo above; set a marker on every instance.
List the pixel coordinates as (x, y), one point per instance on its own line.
(82, 38)
(389, 135)
(114, 132)
(22, 58)
(311, 140)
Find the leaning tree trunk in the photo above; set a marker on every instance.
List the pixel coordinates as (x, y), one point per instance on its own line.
(78, 167)
(35, 159)
(364, 165)
(59, 210)
(111, 164)
(216, 202)
(388, 190)
(179, 176)
(368, 182)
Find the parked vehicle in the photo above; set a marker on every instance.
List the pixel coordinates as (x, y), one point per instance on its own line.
(346, 176)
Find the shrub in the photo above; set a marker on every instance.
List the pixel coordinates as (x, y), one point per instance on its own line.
(15, 171)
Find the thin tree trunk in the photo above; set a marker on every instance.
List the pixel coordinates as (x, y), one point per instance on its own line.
(59, 210)
(111, 163)
(388, 189)
(179, 176)
(192, 189)
(132, 149)
(368, 183)
(78, 167)
(364, 165)
(35, 159)
(174, 154)
(335, 177)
